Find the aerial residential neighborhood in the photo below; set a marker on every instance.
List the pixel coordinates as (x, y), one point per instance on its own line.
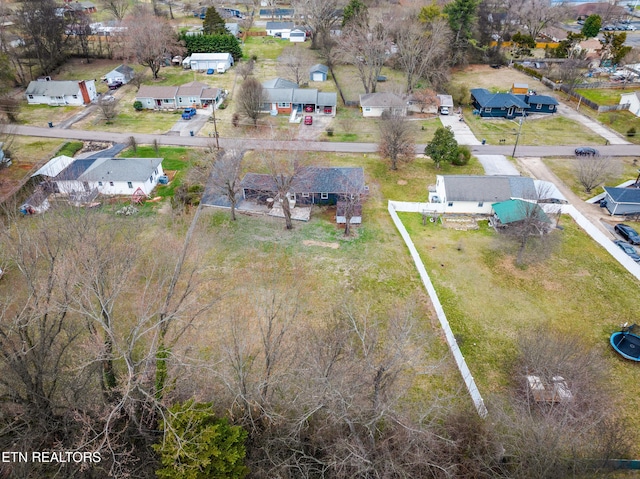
(319, 239)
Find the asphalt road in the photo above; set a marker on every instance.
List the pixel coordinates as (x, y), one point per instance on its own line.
(85, 135)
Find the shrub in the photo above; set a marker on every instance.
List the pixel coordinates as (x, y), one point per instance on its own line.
(137, 105)
(235, 119)
(329, 131)
(631, 131)
(463, 156)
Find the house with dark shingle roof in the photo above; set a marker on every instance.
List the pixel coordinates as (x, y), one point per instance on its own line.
(121, 74)
(622, 201)
(107, 176)
(312, 186)
(508, 105)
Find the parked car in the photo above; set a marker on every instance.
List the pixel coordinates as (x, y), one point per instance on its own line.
(308, 120)
(381, 78)
(586, 151)
(628, 233)
(188, 113)
(630, 28)
(444, 110)
(210, 71)
(115, 85)
(608, 28)
(630, 250)
(308, 108)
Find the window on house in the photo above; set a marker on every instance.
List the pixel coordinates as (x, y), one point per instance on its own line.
(75, 97)
(30, 97)
(488, 110)
(167, 100)
(129, 184)
(324, 196)
(155, 172)
(180, 99)
(367, 108)
(111, 183)
(305, 195)
(450, 203)
(283, 105)
(480, 204)
(99, 183)
(539, 106)
(151, 179)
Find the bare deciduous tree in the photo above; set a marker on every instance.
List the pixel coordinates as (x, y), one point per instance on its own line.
(117, 8)
(225, 175)
(43, 31)
(421, 52)
(245, 69)
(295, 62)
(425, 98)
(150, 40)
(285, 170)
(365, 48)
(108, 108)
(592, 171)
(536, 15)
(320, 15)
(396, 138)
(250, 99)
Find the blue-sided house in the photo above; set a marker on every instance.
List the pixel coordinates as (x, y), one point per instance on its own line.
(508, 105)
(311, 186)
(622, 201)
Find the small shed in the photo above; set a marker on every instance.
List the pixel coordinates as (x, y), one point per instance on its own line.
(520, 88)
(318, 72)
(122, 74)
(632, 100)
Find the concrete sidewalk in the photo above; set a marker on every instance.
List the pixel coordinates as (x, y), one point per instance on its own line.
(610, 136)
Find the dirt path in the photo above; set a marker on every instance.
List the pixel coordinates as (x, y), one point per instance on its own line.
(536, 168)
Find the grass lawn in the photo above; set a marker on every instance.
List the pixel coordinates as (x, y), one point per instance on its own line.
(620, 121)
(129, 120)
(605, 96)
(550, 130)
(565, 169)
(580, 290)
(41, 115)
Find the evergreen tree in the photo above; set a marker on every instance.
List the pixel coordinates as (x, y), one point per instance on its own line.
(355, 10)
(213, 23)
(443, 147)
(198, 445)
(591, 26)
(461, 15)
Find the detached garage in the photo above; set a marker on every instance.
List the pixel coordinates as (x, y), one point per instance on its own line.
(318, 72)
(204, 61)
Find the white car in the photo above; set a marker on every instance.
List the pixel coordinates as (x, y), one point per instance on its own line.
(444, 110)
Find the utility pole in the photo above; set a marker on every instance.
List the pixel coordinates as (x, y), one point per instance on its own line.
(517, 137)
(215, 125)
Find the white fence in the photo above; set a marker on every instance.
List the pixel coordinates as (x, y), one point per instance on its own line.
(451, 340)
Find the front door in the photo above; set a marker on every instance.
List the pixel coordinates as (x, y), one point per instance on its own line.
(510, 112)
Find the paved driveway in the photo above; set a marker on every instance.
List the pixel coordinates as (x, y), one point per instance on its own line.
(315, 130)
(463, 134)
(497, 165)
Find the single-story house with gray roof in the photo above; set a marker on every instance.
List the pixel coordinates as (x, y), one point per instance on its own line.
(121, 74)
(475, 194)
(279, 83)
(622, 201)
(286, 100)
(61, 93)
(318, 72)
(508, 105)
(107, 176)
(279, 29)
(193, 94)
(375, 104)
(312, 185)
